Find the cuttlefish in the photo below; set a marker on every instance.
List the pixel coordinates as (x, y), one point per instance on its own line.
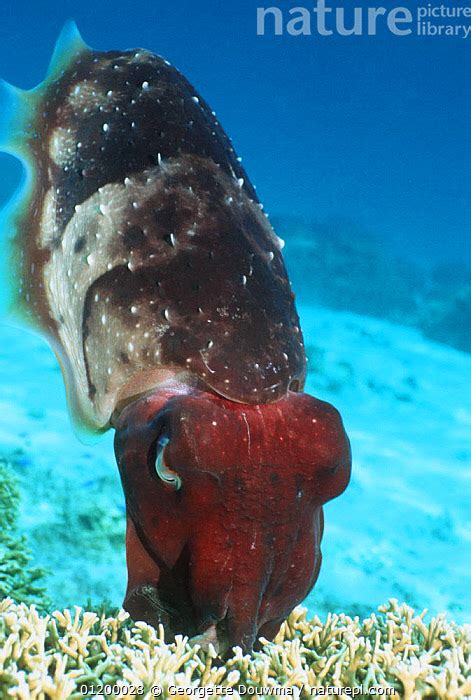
(140, 250)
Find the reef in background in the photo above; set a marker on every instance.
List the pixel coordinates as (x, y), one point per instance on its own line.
(60, 656)
(18, 580)
(338, 265)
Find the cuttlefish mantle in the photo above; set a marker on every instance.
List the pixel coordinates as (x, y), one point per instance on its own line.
(139, 249)
(137, 245)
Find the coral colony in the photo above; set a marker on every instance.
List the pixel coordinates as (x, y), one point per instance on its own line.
(393, 653)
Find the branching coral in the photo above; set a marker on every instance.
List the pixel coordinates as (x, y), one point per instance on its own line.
(62, 655)
(17, 579)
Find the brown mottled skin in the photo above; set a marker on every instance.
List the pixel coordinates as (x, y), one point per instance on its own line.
(148, 263)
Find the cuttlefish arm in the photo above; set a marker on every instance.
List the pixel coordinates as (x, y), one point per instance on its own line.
(225, 508)
(139, 249)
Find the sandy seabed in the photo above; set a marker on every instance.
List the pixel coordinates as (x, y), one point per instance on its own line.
(402, 529)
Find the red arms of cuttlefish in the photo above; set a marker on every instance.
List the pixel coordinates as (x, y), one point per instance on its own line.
(143, 255)
(225, 509)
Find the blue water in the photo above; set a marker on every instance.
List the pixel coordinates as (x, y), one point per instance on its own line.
(375, 129)
(370, 131)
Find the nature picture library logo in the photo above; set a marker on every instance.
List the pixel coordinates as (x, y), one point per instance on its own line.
(322, 19)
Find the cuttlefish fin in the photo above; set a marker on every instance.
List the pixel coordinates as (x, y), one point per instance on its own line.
(68, 47)
(15, 107)
(15, 111)
(18, 107)
(18, 114)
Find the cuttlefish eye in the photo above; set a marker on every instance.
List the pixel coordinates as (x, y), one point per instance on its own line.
(169, 477)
